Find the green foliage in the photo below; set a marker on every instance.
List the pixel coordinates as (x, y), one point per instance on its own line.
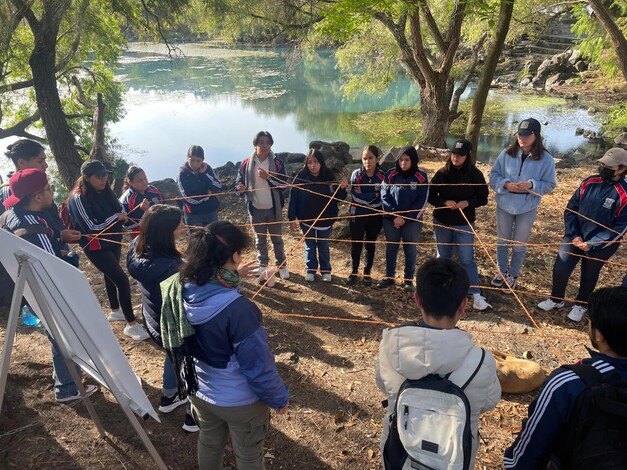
(616, 119)
(596, 46)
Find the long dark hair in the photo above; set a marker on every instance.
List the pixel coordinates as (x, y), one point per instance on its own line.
(537, 148)
(325, 173)
(466, 167)
(83, 187)
(210, 249)
(156, 232)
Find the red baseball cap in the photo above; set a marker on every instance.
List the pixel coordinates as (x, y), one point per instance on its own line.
(23, 183)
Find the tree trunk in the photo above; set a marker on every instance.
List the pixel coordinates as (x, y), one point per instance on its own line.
(434, 108)
(59, 135)
(475, 117)
(613, 31)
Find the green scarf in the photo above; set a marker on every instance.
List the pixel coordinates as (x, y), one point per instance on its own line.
(177, 335)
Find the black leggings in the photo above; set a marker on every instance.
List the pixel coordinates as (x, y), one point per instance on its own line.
(118, 287)
(360, 226)
(591, 263)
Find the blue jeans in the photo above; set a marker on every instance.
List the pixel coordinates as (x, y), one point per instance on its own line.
(64, 385)
(517, 228)
(199, 220)
(409, 233)
(313, 244)
(169, 378)
(460, 239)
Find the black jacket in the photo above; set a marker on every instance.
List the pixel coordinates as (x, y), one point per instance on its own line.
(149, 272)
(476, 194)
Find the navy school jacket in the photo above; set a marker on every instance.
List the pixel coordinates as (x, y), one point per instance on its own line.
(96, 216)
(193, 184)
(407, 195)
(369, 194)
(131, 201)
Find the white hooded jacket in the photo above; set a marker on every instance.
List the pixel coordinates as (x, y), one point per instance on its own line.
(412, 352)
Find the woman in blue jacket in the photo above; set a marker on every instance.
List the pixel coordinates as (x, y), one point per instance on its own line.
(197, 183)
(309, 203)
(138, 197)
(216, 340)
(404, 194)
(595, 221)
(366, 211)
(522, 173)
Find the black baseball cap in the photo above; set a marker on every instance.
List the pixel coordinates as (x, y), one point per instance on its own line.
(461, 147)
(529, 126)
(94, 167)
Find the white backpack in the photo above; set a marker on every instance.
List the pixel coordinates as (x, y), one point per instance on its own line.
(430, 424)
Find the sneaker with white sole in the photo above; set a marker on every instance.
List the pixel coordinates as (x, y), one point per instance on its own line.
(497, 281)
(326, 277)
(577, 313)
(310, 277)
(511, 284)
(479, 302)
(171, 403)
(548, 305)
(190, 424)
(136, 332)
(89, 390)
(284, 273)
(116, 315)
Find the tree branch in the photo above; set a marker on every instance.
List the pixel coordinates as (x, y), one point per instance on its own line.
(469, 73)
(19, 129)
(433, 27)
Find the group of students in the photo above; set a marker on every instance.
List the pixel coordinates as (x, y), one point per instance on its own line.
(217, 347)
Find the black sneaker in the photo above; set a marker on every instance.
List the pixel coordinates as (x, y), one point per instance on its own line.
(367, 280)
(409, 286)
(190, 424)
(171, 403)
(383, 283)
(351, 280)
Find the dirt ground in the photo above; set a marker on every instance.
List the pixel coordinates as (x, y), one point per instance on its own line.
(326, 355)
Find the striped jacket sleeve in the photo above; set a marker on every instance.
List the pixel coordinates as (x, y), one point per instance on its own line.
(83, 217)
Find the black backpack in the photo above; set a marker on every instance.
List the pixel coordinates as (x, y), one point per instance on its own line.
(430, 424)
(597, 430)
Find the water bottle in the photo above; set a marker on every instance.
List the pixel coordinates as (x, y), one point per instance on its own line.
(28, 317)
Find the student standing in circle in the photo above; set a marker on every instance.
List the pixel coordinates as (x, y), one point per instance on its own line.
(261, 180)
(459, 187)
(366, 211)
(595, 221)
(219, 347)
(404, 194)
(522, 173)
(97, 213)
(197, 183)
(310, 203)
(138, 197)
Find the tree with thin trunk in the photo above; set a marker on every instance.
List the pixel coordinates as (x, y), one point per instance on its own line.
(473, 128)
(613, 31)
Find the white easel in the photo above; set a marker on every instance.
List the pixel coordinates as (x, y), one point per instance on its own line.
(32, 272)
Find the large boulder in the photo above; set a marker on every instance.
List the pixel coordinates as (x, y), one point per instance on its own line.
(621, 140)
(168, 187)
(388, 160)
(289, 157)
(338, 150)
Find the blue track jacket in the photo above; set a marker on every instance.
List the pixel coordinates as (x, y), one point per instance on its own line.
(405, 195)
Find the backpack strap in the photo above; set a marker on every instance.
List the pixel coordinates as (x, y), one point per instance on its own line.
(454, 376)
(589, 375)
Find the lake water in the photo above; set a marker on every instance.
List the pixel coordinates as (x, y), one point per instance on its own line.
(219, 99)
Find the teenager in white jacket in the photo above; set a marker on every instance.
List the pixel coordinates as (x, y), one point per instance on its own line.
(434, 345)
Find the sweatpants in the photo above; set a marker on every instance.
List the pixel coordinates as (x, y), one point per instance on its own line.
(118, 288)
(591, 263)
(370, 227)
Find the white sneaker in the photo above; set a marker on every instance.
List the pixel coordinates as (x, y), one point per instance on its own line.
(310, 277)
(136, 332)
(89, 390)
(479, 302)
(548, 305)
(576, 313)
(284, 273)
(326, 277)
(116, 315)
(258, 270)
(267, 277)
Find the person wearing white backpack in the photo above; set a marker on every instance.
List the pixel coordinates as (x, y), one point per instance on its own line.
(434, 349)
